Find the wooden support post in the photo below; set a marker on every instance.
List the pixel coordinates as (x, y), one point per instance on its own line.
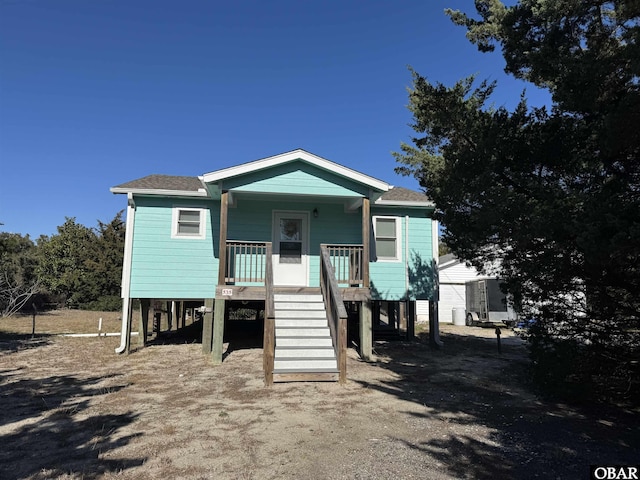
(411, 319)
(366, 333)
(176, 312)
(268, 346)
(218, 331)
(222, 247)
(183, 314)
(392, 308)
(144, 322)
(434, 326)
(207, 326)
(342, 348)
(402, 317)
(169, 316)
(376, 312)
(157, 316)
(366, 238)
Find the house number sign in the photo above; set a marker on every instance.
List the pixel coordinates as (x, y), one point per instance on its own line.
(227, 292)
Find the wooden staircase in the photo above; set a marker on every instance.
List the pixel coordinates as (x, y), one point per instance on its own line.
(304, 349)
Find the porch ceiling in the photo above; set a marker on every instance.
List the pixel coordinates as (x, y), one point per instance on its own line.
(349, 203)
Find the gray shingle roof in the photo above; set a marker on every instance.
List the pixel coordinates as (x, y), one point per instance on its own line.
(164, 182)
(401, 194)
(193, 184)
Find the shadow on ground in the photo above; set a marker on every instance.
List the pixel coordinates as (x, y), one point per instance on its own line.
(56, 435)
(14, 342)
(238, 334)
(468, 383)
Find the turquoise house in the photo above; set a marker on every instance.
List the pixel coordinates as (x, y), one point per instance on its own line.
(318, 244)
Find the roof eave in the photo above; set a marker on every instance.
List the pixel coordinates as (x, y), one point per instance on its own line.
(155, 191)
(404, 203)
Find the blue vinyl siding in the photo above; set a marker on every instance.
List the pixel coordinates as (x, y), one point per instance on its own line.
(175, 268)
(165, 267)
(296, 178)
(181, 268)
(411, 277)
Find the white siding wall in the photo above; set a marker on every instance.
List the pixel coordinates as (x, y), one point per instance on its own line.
(452, 291)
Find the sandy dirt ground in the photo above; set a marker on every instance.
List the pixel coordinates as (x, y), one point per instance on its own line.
(71, 408)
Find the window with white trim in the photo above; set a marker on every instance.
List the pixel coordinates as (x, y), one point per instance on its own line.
(188, 223)
(387, 237)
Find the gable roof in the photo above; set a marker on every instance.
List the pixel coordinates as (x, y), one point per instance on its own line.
(404, 197)
(163, 184)
(190, 186)
(293, 156)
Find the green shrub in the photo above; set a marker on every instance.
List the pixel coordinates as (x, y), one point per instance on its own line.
(107, 303)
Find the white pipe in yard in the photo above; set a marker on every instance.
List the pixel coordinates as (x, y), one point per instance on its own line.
(77, 335)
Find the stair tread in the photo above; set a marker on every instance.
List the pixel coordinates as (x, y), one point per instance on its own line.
(295, 359)
(305, 370)
(306, 337)
(305, 308)
(302, 347)
(302, 342)
(302, 326)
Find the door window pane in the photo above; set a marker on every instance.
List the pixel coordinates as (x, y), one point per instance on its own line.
(290, 229)
(290, 240)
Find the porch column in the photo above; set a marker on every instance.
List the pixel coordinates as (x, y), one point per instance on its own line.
(218, 331)
(207, 326)
(222, 247)
(144, 321)
(366, 235)
(366, 334)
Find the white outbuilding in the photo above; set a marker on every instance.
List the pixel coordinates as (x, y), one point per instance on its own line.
(453, 274)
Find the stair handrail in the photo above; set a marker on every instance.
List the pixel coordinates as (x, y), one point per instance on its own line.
(269, 341)
(336, 313)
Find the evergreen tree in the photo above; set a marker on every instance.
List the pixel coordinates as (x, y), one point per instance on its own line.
(84, 265)
(555, 195)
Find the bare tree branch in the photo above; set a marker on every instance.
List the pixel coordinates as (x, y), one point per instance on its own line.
(14, 296)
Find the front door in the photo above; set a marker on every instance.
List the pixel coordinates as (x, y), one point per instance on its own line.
(290, 248)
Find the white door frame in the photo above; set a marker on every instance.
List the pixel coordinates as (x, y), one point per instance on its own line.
(291, 274)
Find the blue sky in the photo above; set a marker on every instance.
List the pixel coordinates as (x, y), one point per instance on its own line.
(94, 93)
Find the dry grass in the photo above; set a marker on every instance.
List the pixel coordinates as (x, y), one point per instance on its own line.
(58, 322)
(70, 408)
